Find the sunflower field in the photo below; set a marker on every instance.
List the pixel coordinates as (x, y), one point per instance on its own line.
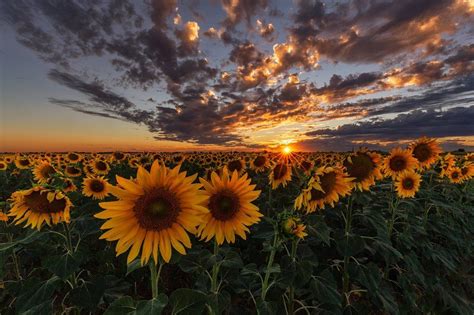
(360, 232)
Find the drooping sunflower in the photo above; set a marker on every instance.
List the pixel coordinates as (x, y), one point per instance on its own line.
(364, 167)
(231, 210)
(260, 163)
(398, 161)
(95, 187)
(280, 175)
(447, 163)
(43, 172)
(307, 166)
(153, 213)
(426, 151)
(39, 205)
(133, 162)
(407, 184)
(100, 167)
(69, 185)
(326, 186)
(22, 162)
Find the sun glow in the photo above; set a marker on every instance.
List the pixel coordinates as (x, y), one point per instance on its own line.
(287, 150)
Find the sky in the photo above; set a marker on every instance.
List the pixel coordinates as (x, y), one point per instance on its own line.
(169, 75)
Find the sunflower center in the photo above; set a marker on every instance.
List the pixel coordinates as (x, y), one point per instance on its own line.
(47, 171)
(398, 163)
(38, 202)
(422, 152)
(360, 168)
(408, 183)
(157, 210)
(101, 166)
(97, 186)
(118, 155)
(24, 162)
(279, 171)
(234, 166)
(455, 175)
(328, 182)
(259, 161)
(73, 170)
(224, 205)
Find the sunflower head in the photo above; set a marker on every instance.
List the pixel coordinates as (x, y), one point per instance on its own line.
(39, 205)
(236, 165)
(398, 161)
(73, 171)
(326, 186)
(291, 226)
(231, 210)
(364, 168)
(426, 151)
(22, 162)
(455, 175)
(118, 156)
(260, 163)
(100, 167)
(73, 157)
(95, 187)
(280, 175)
(43, 172)
(407, 184)
(154, 213)
(3, 165)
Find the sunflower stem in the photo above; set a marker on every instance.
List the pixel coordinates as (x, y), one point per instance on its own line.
(154, 277)
(270, 264)
(294, 245)
(347, 230)
(215, 269)
(70, 250)
(15, 258)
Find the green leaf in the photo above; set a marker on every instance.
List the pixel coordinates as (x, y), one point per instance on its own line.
(89, 294)
(62, 266)
(134, 265)
(153, 306)
(122, 305)
(30, 237)
(41, 309)
(187, 301)
(34, 294)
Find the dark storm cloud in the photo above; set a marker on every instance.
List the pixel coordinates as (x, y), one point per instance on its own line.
(455, 121)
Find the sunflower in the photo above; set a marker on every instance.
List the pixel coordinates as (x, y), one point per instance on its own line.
(467, 171)
(118, 156)
(280, 175)
(447, 163)
(407, 184)
(73, 157)
(38, 205)
(3, 217)
(260, 163)
(95, 187)
(69, 185)
(43, 172)
(231, 210)
(236, 165)
(398, 161)
(306, 166)
(364, 167)
(455, 175)
(133, 162)
(153, 213)
(326, 186)
(22, 162)
(100, 167)
(426, 151)
(292, 226)
(3, 165)
(72, 171)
